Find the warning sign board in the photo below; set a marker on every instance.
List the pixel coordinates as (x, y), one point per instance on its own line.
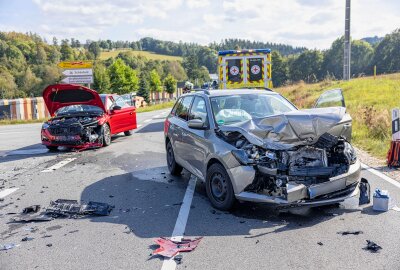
(245, 68)
(75, 64)
(395, 124)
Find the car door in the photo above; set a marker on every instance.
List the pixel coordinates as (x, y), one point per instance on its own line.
(194, 141)
(180, 127)
(335, 98)
(129, 114)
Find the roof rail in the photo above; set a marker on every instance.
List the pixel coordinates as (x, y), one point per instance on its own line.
(201, 90)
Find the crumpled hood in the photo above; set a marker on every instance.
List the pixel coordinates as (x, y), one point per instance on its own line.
(284, 131)
(60, 95)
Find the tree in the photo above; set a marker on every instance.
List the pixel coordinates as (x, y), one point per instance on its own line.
(94, 48)
(387, 53)
(190, 63)
(29, 83)
(175, 69)
(8, 87)
(123, 79)
(66, 51)
(101, 79)
(155, 81)
(143, 88)
(280, 69)
(307, 66)
(170, 84)
(41, 56)
(132, 80)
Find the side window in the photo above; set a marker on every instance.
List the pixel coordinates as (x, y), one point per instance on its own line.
(199, 110)
(121, 102)
(109, 103)
(182, 110)
(176, 106)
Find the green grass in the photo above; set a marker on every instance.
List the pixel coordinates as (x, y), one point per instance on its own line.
(156, 107)
(369, 101)
(17, 122)
(149, 55)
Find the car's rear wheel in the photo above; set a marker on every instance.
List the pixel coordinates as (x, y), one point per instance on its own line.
(128, 133)
(173, 167)
(105, 135)
(52, 147)
(219, 187)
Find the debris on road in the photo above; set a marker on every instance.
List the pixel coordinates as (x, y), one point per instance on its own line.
(350, 232)
(31, 209)
(365, 192)
(373, 247)
(178, 259)
(71, 208)
(169, 248)
(38, 218)
(8, 246)
(320, 243)
(381, 200)
(27, 239)
(49, 245)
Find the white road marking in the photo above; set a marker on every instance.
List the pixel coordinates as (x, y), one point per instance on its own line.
(7, 192)
(147, 120)
(138, 126)
(180, 225)
(381, 175)
(59, 165)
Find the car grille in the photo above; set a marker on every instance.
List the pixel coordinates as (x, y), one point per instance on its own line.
(73, 130)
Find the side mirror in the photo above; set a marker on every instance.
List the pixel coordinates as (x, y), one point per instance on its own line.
(196, 124)
(116, 107)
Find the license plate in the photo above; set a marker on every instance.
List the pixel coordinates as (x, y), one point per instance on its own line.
(67, 138)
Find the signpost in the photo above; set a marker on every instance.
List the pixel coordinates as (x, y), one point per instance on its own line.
(77, 72)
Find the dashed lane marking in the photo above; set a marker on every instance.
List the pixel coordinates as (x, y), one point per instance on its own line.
(7, 192)
(59, 165)
(180, 225)
(381, 175)
(147, 120)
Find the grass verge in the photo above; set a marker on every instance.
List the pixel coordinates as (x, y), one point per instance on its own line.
(104, 55)
(4, 122)
(156, 107)
(369, 101)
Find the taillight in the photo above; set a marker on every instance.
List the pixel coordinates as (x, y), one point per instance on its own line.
(166, 126)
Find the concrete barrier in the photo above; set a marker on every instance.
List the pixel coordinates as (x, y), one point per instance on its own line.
(23, 109)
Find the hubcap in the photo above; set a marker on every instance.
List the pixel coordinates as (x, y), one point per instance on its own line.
(170, 156)
(107, 136)
(218, 187)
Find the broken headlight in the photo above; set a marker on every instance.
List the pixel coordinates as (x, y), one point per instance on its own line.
(242, 157)
(349, 153)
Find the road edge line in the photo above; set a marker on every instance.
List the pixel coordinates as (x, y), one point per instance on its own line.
(381, 175)
(180, 225)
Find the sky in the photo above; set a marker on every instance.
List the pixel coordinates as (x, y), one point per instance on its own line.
(309, 23)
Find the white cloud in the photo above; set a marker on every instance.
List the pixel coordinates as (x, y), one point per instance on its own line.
(197, 3)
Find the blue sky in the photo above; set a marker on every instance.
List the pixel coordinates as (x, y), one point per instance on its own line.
(310, 23)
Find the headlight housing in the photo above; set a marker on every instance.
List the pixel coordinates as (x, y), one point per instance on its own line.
(350, 153)
(45, 125)
(242, 157)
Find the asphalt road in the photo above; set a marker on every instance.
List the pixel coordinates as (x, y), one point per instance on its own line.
(131, 174)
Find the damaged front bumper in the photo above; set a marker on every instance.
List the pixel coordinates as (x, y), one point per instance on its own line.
(72, 141)
(337, 189)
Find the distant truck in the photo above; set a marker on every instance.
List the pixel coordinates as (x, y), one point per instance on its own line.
(245, 69)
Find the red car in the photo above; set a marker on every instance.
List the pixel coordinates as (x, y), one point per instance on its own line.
(81, 118)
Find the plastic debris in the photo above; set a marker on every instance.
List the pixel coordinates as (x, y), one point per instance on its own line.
(31, 209)
(350, 232)
(396, 208)
(8, 246)
(320, 243)
(169, 248)
(178, 259)
(27, 239)
(71, 208)
(49, 245)
(373, 247)
(365, 192)
(38, 218)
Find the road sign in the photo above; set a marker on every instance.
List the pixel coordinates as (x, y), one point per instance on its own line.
(78, 79)
(78, 72)
(75, 64)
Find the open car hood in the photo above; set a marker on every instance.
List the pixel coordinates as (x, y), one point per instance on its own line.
(285, 131)
(60, 95)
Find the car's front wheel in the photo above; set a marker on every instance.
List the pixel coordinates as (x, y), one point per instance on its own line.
(105, 139)
(219, 187)
(173, 167)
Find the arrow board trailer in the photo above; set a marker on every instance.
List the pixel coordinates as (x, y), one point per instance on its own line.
(244, 68)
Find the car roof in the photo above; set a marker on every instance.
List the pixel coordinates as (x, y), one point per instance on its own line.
(227, 92)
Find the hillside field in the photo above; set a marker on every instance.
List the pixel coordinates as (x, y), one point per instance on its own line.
(149, 55)
(369, 101)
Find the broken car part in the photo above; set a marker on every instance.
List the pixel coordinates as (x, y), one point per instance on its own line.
(373, 247)
(8, 246)
(67, 208)
(381, 200)
(350, 232)
(365, 192)
(169, 248)
(31, 209)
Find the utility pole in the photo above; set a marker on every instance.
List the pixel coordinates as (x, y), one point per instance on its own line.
(347, 44)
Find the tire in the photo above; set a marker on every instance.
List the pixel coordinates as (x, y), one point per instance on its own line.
(219, 187)
(105, 139)
(128, 133)
(52, 148)
(173, 167)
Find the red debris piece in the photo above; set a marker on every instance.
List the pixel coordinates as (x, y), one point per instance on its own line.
(169, 248)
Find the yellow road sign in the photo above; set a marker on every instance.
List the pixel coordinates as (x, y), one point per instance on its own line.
(75, 64)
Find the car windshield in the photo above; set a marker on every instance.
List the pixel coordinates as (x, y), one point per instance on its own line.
(238, 108)
(77, 109)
